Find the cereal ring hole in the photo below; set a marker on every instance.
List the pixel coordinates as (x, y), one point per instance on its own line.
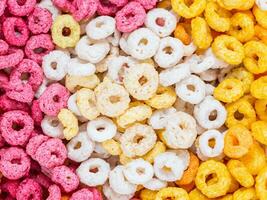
(143, 80)
(140, 171)
(66, 31)
(54, 65)
(160, 21)
(129, 16)
(93, 169)
(25, 76)
(114, 99)
(191, 88)
(238, 116)
(55, 123)
(56, 98)
(188, 3)
(100, 129)
(17, 126)
(16, 161)
(39, 50)
(234, 141)
(166, 169)
(168, 50)
(21, 2)
(210, 179)
(78, 145)
(99, 24)
(137, 139)
(143, 42)
(183, 126)
(213, 115)
(211, 142)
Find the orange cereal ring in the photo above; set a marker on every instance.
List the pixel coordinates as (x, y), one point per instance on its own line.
(188, 187)
(181, 34)
(190, 174)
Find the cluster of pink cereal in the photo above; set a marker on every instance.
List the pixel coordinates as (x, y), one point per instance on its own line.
(33, 165)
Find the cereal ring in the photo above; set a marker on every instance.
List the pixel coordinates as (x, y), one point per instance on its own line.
(257, 88)
(52, 127)
(93, 172)
(260, 183)
(29, 189)
(217, 17)
(182, 34)
(253, 50)
(237, 141)
(173, 193)
(260, 107)
(48, 4)
(155, 184)
(65, 31)
(110, 194)
(229, 5)
(137, 140)
(92, 51)
(69, 122)
(54, 193)
(218, 172)
(240, 112)
(14, 170)
(239, 171)
(83, 10)
(106, 8)
(161, 21)
(255, 159)
(195, 9)
(228, 49)
(21, 9)
(137, 14)
(16, 127)
(38, 46)
(242, 27)
(260, 16)
(112, 147)
(261, 5)
(245, 193)
(86, 193)
(261, 33)
(201, 33)
(34, 144)
(100, 27)
(112, 99)
(158, 148)
(169, 53)
(40, 21)
(159, 118)
(258, 129)
(148, 4)
(141, 81)
(65, 177)
(12, 26)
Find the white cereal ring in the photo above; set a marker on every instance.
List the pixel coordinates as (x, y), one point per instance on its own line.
(210, 113)
(100, 27)
(169, 53)
(173, 75)
(217, 63)
(159, 118)
(78, 67)
(209, 75)
(110, 194)
(262, 4)
(141, 81)
(80, 147)
(199, 64)
(92, 51)
(101, 129)
(55, 65)
(143, 43)
(137, 140)
(72, 105)
(118, 183)
(189, 49)
(183, 106)
(93, 172)
(181, 131)
(100, 152)
(124, 44)
(171, 162)
(184, 155)
(52, 127)
(155, 184)
(191, 89)
(161, 22)
(48, 4)
(114, 39)
(209, 89)
(217, 147)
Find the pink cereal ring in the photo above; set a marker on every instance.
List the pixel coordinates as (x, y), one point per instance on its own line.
(40, 20)
(21, 9)
(34, 144)
(105, 7)
(4, 81)
(84, 9)
(148, 4)
(15, 31)
(51, 153)
(65, 177)
(14, 163)
(29, 189)
(7, 104)
(16, 127)
(12, 58)
(85, 194)
(36, 113)
(64, 5)
(53, 99)
(28, 71)
(20, 92)
(3, 47)
(128, 24)
(2, 141)
(38, 46)
(43, 180)
(2, 7)
(119, 3)
(10, 187)
(54, 193)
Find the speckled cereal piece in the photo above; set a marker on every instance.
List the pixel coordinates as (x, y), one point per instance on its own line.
(7, 104)
(84, 9)
(40, 21)
(14, 163)
(29, 189)
(16, 127)
(11, 58)
(65, 177)
(43, 180)
(54, 193)
(10, 187)
(34, 144)
(85, 194)
(2, 6)
(21, 8)
(20, 92)
(36, 113)
(53, 99)
(148, 4)
(3, 47)
(119, 3)
(105, 7)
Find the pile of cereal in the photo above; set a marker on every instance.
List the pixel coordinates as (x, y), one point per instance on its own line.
(133, 99)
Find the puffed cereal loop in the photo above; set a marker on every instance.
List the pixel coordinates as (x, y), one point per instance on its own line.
(260, 107)
(70, 123)
(260, 186)
(245, 194)
(258, 88)
(172, 193)
(259, 130)
(261, 16)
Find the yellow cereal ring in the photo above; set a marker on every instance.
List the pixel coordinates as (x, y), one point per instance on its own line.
(152, 154)
(217, 17)
(234, 185)
(239, 171)
(237, 141)
(147, 194)
(229, 49)
(258, 88)
(247, 4)
(174, 193)
(240, 112)
(195, 9)
(245, 194)
(70, 123)
(201, 34)
(65, 31)
(242, 27)
(165, 97)
(259, 131)
(261, 33)
(260, 107)
(229, 5)
(219, 173)
(255, 57)
(124, 159)
(261, 181)
(261, 16)
(255, 159)
(197, 195)
(112, 147)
